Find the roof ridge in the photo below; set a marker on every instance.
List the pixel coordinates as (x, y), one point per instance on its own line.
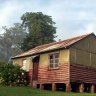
(62, 40)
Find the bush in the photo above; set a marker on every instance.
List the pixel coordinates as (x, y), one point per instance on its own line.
(12, 75)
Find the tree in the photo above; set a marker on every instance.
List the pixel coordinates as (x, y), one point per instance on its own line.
(10, 41)
(40, 29)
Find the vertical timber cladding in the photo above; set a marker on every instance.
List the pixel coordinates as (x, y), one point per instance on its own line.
(83, 60)
(46, 75)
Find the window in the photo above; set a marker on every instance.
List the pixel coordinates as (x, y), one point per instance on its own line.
(25, 66)
(54, 60)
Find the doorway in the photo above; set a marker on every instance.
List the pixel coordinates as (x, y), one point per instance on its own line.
(35, 67)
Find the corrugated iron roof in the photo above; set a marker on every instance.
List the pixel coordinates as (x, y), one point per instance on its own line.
(52, 46)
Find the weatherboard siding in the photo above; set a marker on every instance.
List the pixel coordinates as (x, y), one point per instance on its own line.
(46, 75)
(30, 74)
(61, 74)
(82, 73)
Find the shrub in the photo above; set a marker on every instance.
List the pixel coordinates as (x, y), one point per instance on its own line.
(12, 75)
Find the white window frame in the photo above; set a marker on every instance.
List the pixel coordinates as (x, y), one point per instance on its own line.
(53, 63)
(25, 66)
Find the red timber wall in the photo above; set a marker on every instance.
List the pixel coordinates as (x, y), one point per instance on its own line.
(60, 75)
(29, 74)
(82, 73)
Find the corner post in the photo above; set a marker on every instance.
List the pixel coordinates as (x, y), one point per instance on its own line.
(53, 87)
(92, 88)
(81, 88)
(68, 87)
(41, 86)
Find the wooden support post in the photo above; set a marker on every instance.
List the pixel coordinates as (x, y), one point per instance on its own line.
(92, 88)
(81, 88)
(41, 86)
(68, 87)
(53, 87)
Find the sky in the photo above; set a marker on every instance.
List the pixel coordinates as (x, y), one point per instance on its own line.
(72, 17)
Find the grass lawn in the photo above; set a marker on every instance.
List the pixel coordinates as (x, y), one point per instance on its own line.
(26, 91)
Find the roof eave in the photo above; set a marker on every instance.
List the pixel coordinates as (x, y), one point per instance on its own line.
(41, 52)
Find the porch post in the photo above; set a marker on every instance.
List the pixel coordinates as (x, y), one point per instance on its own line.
(53, 87)
(81, 88)
(41, 86)
(92, 88)
(68, 87)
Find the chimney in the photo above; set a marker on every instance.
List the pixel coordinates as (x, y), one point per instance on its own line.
(59, 39)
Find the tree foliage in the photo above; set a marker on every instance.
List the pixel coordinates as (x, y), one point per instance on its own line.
(12, 75)
(40, 29)
(10, 41)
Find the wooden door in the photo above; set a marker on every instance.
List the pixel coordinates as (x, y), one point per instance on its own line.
(35, 70)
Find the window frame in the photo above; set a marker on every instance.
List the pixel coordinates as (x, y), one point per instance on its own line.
(54, 61)
(22, 61)
(23, 64)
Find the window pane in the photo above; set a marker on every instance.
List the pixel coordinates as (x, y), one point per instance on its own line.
(51, 56)
(51, 65)
(56, 60)
(56, 65)
(56, 55)
(51, 61)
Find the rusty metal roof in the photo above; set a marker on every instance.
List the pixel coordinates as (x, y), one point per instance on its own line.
(52, 46)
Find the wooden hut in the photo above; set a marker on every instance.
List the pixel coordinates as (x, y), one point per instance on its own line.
(68, 65)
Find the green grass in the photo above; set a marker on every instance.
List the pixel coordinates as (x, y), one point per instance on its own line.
(27, 91)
